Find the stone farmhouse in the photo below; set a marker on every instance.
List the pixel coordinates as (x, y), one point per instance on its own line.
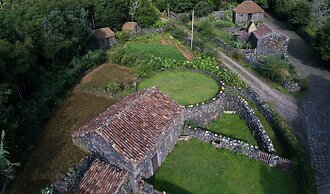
(105, 38)
(247, 11)
(265, 39)
(269, 41)
(133, 27)
(131, 138)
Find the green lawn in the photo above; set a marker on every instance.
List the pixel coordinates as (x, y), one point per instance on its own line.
(233, 126)
(157, 50)
(196, 167)
(185, 87)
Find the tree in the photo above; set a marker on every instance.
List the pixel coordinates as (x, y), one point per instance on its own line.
(146, 14)
(7, 168)
(262, 3)
(134, 4)
(282, 8)
(320, 12)
(299, 15)
(202, 9)
(322, 42)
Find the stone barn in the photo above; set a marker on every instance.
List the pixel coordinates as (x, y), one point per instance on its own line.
(133, 27)
(105, 38)
(247, 11)
(269, 41)
(134, 134)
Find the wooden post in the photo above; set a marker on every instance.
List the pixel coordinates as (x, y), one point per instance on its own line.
(192, 30)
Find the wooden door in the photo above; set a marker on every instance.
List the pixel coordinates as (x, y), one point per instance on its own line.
(154, 160)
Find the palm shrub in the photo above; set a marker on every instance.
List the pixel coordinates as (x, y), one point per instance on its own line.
(7, 168)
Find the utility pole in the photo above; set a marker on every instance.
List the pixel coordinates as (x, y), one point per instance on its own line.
(192, 30)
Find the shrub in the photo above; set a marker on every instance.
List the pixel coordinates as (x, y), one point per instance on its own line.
(113, 87)
(146, 14)
(202, 8)
(123, 36)
(276, 69)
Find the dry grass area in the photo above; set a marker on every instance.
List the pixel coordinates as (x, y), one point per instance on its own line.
(56, 152)
(107, 73)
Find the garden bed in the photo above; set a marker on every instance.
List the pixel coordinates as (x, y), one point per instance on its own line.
(184, 86)
(233, 126)
(196, 167)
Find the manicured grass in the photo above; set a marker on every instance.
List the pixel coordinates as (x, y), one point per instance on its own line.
(185, 87)
(196, 167)
(157, 50)
(233, 126)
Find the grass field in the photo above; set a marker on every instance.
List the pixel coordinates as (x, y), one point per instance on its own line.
(157, 50)
(196, 167)
(233, 126)
(56, 153)
(185, 87)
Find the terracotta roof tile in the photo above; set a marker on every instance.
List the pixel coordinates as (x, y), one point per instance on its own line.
(262, 31)
(129, 26)
(134, 125)
(102, 33)
(247, 7)
(102, 178)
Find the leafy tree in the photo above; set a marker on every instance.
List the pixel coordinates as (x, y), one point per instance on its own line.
(7, 168)
(146, 14)
(202, 9)
(282, 8)
(320, 11)
(299, 15)
(263, 3)
(322, 42)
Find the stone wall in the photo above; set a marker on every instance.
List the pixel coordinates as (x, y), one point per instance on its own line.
(242, 18)
(237, 146)
(94, 143)
(203, 114)
(145, 169)
(273, 44)
(70, 181)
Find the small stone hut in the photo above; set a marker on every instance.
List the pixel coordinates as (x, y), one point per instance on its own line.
(105, 38)
(133, 27)
(102, 177)
(269, 41)
(247, 11)
(134, 134)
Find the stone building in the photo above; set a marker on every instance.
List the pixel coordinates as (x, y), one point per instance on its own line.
(269, 41)
(247, 11)
(133, 27)
(135, 134)
(105, 38)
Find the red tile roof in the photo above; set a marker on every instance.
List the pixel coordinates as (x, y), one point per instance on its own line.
(262, 31)
(102, 178)
(134, 125)
(247, 7)
(129, 26)
(102, 33)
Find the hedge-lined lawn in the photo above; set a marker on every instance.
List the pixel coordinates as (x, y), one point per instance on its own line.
(185, 87)
(157, 50)
(197, 167)
(233, 126)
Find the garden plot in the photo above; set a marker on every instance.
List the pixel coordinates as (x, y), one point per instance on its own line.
(196, 167)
